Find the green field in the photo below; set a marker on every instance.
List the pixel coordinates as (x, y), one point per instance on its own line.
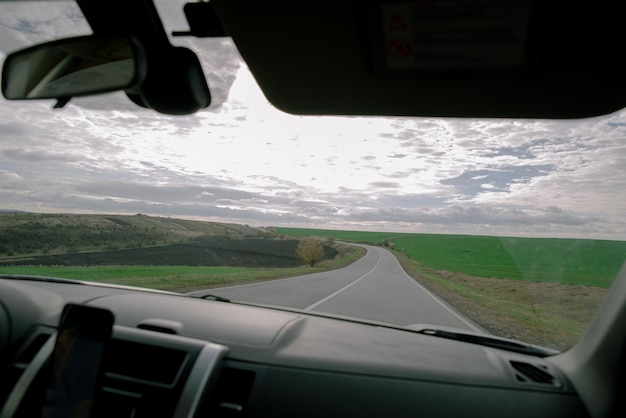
(175, 278)
(163, 278)
(183, 278)
(567, 261)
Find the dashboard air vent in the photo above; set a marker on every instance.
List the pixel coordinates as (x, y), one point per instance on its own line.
(21, 373)
(526, 372)
(31, 349)
(23, 359)
(145, 363)
(231, 393)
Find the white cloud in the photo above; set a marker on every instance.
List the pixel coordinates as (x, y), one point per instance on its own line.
(244, 161)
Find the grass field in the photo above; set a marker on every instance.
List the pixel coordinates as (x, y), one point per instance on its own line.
(183, 278)
(172, 278)
(566, 261)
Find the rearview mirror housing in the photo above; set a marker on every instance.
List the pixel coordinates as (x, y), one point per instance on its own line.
(72, 67)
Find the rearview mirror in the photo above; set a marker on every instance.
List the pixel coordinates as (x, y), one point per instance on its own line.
(73, 67)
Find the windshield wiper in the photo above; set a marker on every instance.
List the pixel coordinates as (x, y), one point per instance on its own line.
(39, 279)
(490, 341)
(214, 297)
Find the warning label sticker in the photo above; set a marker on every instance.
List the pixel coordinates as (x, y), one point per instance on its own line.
(454, 34)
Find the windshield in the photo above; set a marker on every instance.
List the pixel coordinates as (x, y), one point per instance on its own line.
(509, 227)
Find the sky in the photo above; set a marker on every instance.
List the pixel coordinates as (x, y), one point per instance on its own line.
(245, 162)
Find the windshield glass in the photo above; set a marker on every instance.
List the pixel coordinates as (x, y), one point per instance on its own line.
(510, 227)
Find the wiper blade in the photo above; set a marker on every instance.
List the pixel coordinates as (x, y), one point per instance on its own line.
(39, 279)
(490, 341)
(214, 297)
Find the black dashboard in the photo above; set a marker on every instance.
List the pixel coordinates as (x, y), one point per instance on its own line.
(173, 355)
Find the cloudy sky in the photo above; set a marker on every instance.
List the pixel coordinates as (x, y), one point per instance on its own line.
(243, 161)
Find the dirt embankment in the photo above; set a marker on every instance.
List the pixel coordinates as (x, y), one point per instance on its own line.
(246, 252)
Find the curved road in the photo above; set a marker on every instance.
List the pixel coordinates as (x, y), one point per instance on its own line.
(373, 288)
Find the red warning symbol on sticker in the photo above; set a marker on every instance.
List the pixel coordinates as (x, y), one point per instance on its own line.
(397, 22)
(399, 48)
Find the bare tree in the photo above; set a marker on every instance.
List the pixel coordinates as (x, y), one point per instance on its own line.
(310, 251)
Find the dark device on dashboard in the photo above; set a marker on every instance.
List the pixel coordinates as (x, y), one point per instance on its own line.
(75, 370)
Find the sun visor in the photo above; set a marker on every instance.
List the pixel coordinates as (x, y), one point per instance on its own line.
(464, 58)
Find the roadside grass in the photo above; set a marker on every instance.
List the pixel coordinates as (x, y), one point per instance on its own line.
(567, 261)
(557, 260)
(547, 314)
(185, 278)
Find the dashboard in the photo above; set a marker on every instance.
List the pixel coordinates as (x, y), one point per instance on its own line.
(175, 356)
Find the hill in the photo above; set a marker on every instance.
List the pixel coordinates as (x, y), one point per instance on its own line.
(27, 234)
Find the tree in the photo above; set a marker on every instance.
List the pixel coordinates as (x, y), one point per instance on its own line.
(310, 251)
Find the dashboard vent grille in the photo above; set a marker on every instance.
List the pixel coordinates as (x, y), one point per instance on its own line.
(31, 349)
(22, 361)
(231, 393)
(526, 372)
(144, 363)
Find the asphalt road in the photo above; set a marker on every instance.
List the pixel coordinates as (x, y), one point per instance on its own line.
(374, 288)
